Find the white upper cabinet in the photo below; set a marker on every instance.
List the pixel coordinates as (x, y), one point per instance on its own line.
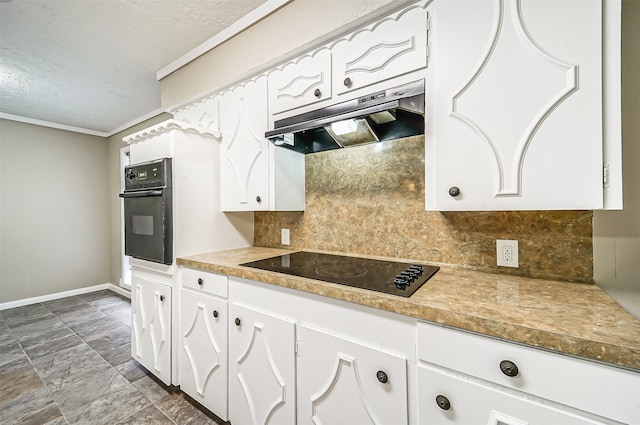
(301, 82)
(255, 176)
(390, 47)
(515, 105)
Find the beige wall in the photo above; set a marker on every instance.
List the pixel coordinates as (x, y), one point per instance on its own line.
(617, 233)
(300, 23)
(114, 146)
(54, 215)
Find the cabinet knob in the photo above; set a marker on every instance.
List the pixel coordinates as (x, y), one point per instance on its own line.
(161, 297)
(454, 191)
(215, 313)
(258, 199)
(200, 281)
(509, 368)
(317, 93)
(382, 377)
(443, 402)
(347, 82)
(237, 321)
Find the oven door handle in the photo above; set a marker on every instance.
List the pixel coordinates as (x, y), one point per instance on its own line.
(141, 194)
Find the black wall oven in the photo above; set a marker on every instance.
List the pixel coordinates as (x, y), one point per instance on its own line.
(148, 218)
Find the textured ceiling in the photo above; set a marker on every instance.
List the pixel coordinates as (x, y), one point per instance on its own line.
(92, 64)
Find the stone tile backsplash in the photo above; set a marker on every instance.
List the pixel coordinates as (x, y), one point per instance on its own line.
(370, 200)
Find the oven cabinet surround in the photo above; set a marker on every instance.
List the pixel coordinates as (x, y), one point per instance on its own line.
(386, 49)
(294, 351)
(255, 175)
(466, 369)
(519, 114)
(203, 354)
(151, 322)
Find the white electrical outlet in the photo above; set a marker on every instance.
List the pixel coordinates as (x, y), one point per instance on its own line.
(507, 253)
(285, 237)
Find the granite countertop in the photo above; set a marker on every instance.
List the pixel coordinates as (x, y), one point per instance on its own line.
(572, 318)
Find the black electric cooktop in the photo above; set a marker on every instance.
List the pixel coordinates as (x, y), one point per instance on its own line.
(390, 277)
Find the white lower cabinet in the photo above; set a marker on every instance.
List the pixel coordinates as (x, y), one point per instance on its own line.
(203, 356)
(262, 367)
(151, 326)
(342, 381)
(450, 399)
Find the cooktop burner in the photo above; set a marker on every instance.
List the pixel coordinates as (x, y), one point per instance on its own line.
(390, 277)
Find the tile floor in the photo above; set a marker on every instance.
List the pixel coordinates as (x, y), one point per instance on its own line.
(68, 362)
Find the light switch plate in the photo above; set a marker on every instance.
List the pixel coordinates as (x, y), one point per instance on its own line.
(285, 237)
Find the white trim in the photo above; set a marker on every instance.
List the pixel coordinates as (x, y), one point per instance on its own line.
(258, 14)
(64, 294)
(50, 124)
(137, 121)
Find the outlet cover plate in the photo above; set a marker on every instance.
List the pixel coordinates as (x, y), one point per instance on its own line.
(507, 253)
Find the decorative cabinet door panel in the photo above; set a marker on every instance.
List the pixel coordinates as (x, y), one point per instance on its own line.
(447, 399)
(151, 326)
(344, 382)
(262, 368)
(391, 47)
(304, 81)
(205, 113)
(245, 153)
(514, 95)
(203, 354)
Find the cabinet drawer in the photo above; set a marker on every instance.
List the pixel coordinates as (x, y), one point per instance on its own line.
(447, 399)
(603, 390)
(211, 283)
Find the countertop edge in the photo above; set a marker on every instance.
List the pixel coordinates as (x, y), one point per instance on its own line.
(583, 348)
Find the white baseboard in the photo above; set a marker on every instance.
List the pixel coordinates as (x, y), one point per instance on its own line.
(64, 294)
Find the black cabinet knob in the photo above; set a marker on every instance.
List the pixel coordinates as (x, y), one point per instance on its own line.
(382, 377)
(237, 321)
(161, 297)
(317, 93)
(454, 191)
(200, 281)
(509, 368)
(258, 199)
(443, 402)
(347, 82)
(215, 313)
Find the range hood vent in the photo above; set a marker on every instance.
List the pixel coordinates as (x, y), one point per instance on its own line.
(386, 115)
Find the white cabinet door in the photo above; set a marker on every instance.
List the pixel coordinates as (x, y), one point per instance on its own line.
(456, 400)
(262, 368)
(245, 151)
(514, 101)
(151, 326)
(342, 381)
(203, 355)
(393, 46)
(301, 82)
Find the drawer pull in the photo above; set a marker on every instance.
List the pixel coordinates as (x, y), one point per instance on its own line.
(161, 298)
(215, 313)
(443, 402)
(237, 321)
(317, 93)
(382, 377)
(200, 281)
(509, 368)
(347, 82)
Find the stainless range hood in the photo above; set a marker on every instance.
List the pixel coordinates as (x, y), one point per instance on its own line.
(385, 115)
